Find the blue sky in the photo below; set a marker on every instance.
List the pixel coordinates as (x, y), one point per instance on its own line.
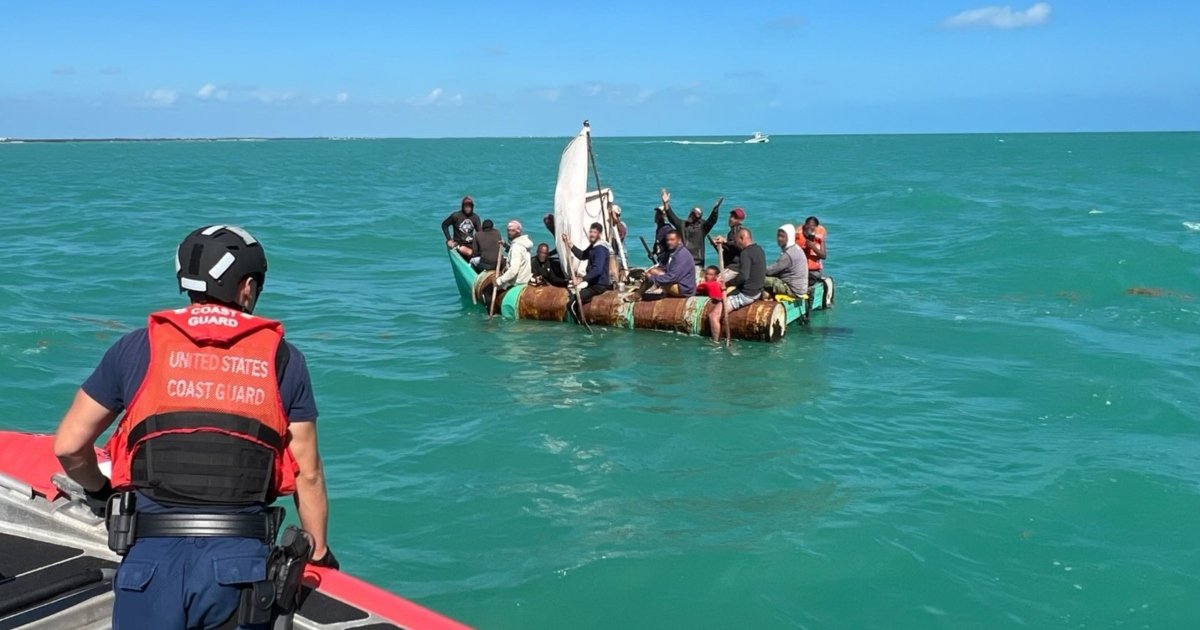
(467, 68)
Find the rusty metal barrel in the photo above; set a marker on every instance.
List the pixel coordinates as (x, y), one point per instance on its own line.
(483, 285)
(482, 289)
(543, 303)
(681, 315)
(608, 309)
(550, 304)
(760, 321)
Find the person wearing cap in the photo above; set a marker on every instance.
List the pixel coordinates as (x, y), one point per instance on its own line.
(460, 227)
(487, 247)
(614, 214)
(694, 229)
(215, 421)
(517, 267)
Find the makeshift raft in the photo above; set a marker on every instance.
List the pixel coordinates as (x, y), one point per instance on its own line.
(576, 209)
(760, 321)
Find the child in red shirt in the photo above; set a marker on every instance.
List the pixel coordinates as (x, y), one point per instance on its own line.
(711, 286)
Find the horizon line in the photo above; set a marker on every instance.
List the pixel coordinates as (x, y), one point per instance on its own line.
(52, 139)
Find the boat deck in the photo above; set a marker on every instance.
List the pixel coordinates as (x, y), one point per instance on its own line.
(55, 579)
(48, 584)
(56, 571)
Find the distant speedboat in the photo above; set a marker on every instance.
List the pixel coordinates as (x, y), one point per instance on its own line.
(759, 138)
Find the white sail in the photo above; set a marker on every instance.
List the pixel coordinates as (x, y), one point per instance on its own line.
(570, 202)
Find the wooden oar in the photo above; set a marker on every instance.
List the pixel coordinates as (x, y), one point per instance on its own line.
(572, 288)
(724, 304)
(579, 312)
(649, 253)
(496, 282)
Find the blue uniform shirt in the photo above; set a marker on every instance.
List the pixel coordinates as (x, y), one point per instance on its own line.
(120, 373)
(185, 581)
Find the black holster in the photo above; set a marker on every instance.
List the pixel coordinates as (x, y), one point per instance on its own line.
(121, 521)
(280, 594)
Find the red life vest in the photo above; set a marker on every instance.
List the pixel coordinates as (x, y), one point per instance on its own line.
(207, 425)
(814, 262)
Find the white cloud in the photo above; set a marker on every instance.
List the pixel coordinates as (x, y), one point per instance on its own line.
(161, 97)
(428, 99)
(210, 92)
(621, 94)
(618, 93)
(271, 97)
(1001, 17)
(339, 98)
(63, 71)
(437, 96)
(775, 103)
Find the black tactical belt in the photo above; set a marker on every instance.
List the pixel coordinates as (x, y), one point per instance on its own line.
(260, 526)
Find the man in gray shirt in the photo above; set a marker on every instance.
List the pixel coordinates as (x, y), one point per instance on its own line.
(751, 275)
(789, 274)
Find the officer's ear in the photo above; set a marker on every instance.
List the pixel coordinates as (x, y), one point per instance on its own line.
(248, 290)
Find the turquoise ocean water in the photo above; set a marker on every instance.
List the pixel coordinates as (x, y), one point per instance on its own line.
(988, 431)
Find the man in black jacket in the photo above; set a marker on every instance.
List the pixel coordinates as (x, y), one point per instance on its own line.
(464, 223)
(695, 228)
(488, 245)
(733, 250)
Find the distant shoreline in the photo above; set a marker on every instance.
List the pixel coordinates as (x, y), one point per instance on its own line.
(15, 140)
(217, 139)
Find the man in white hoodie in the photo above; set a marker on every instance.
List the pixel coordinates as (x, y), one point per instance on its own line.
(789, 274)
(516, 268)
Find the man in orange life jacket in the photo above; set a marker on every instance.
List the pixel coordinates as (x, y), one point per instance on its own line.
(811, 239)
(219, 420)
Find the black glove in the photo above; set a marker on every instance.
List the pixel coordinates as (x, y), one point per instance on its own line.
(97, 500)
(327, 561)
